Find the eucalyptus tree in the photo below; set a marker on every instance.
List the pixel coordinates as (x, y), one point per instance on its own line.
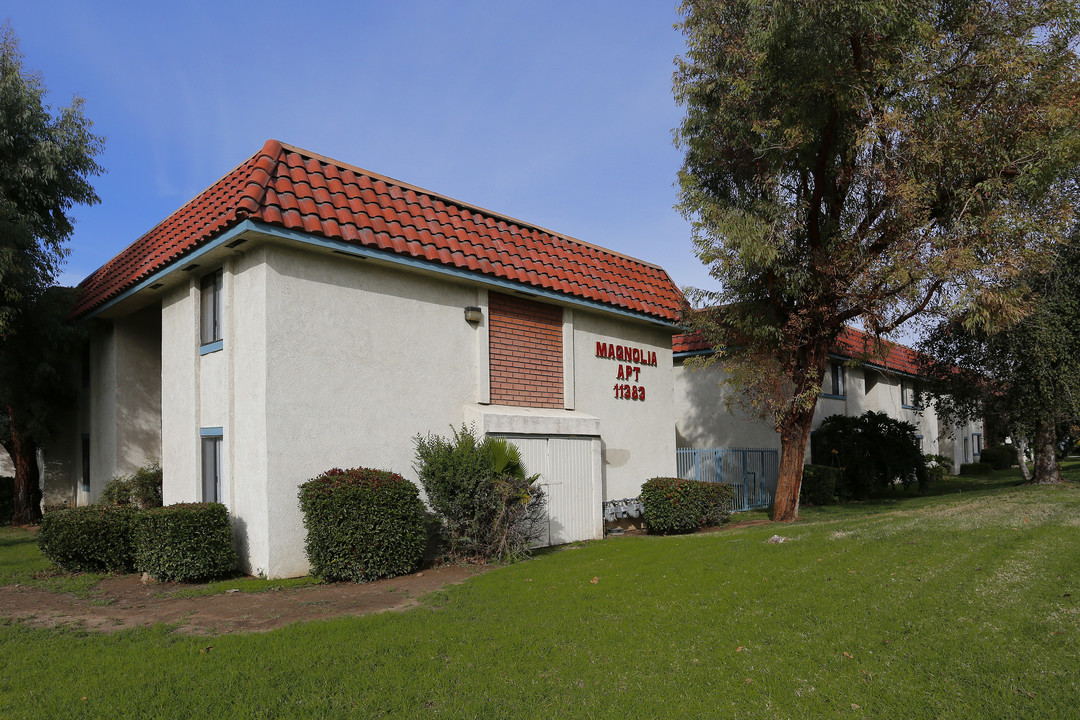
(46, 161)
(863, 161)
(1025, 376)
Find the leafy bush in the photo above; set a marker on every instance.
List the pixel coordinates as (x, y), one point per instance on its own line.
(873, 452)
(818, 485)
(672, 505)
(490, 507)
(90, 538)
(976, 468)
(141, 489)
(7, 499)
(362, 524)
(185, 542)
(938, 466)
(1000, 457)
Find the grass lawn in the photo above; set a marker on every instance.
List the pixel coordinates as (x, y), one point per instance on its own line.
(959, 605)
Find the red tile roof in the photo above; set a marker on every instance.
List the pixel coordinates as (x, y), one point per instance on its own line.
(852, 343)
(292, 188)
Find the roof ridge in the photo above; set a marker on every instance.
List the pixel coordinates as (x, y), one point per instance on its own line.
(183, 208)
(251, 197)
(461, 203)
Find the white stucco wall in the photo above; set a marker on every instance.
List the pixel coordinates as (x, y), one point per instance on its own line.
(121, 409)
(702, 418)
(638, 437)
(359, 360)
(179, 393)
(704, 421)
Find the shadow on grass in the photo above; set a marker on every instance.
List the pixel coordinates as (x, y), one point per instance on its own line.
(910, 497)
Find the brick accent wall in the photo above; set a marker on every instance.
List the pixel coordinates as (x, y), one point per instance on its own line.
(525, 341)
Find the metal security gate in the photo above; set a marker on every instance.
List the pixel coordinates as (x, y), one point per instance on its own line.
(566, 466)
(752, 472)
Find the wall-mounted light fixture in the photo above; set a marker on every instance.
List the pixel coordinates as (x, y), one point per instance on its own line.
(473, 314)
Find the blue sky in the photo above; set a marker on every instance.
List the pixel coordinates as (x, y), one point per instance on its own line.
(557, 113)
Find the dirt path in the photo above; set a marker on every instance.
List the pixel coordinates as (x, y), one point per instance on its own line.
(126, 602)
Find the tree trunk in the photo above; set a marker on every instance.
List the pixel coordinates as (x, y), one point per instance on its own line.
(793, 439)
(27, 480)
(1047, 470)
(1021, 459)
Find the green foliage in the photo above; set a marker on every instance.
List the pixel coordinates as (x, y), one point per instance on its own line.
(673, 505)
(822, 189)
(37, 385)
(1026, 376)
(45, 165)
(818, 485)
(976, 468)
(938, 467)
(141, 489)
(872, 451)
(185, 542)
(91, 538)
(999, 457)
(489, 506)
(362, 524)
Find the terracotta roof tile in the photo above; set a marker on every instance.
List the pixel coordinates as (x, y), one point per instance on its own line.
(851, 343)
(293, 188)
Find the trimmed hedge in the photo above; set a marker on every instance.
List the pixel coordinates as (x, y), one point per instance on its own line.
(999, 457)
(185, 542)
(89, 539)
(142, 488)
(362, 524)
(818, 485)
(672, 505)
(978, 468)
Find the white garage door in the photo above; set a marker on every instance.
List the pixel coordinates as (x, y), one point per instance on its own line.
(566, 467)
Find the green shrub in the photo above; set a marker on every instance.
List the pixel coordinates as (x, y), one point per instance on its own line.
(938, 467)
(90, 538)
(185, 542)
(672, 505)
(362, 524)
(490, 507)
(818, 485)
(873, 451)
(141, 489)
(7, 499)
(999, 457)
(976, 468)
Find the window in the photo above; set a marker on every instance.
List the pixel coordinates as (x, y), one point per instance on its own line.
(834, 380)
(907, 394)
(967, 449)
(210, 313)
(976, 443)
(86, 463)
(211, 464)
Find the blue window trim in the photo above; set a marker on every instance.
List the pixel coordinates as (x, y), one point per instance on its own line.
(211, 432)
(833, 397)
(211, 347)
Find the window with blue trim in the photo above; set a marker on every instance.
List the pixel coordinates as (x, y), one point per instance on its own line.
(211, 464)
(210, 313)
